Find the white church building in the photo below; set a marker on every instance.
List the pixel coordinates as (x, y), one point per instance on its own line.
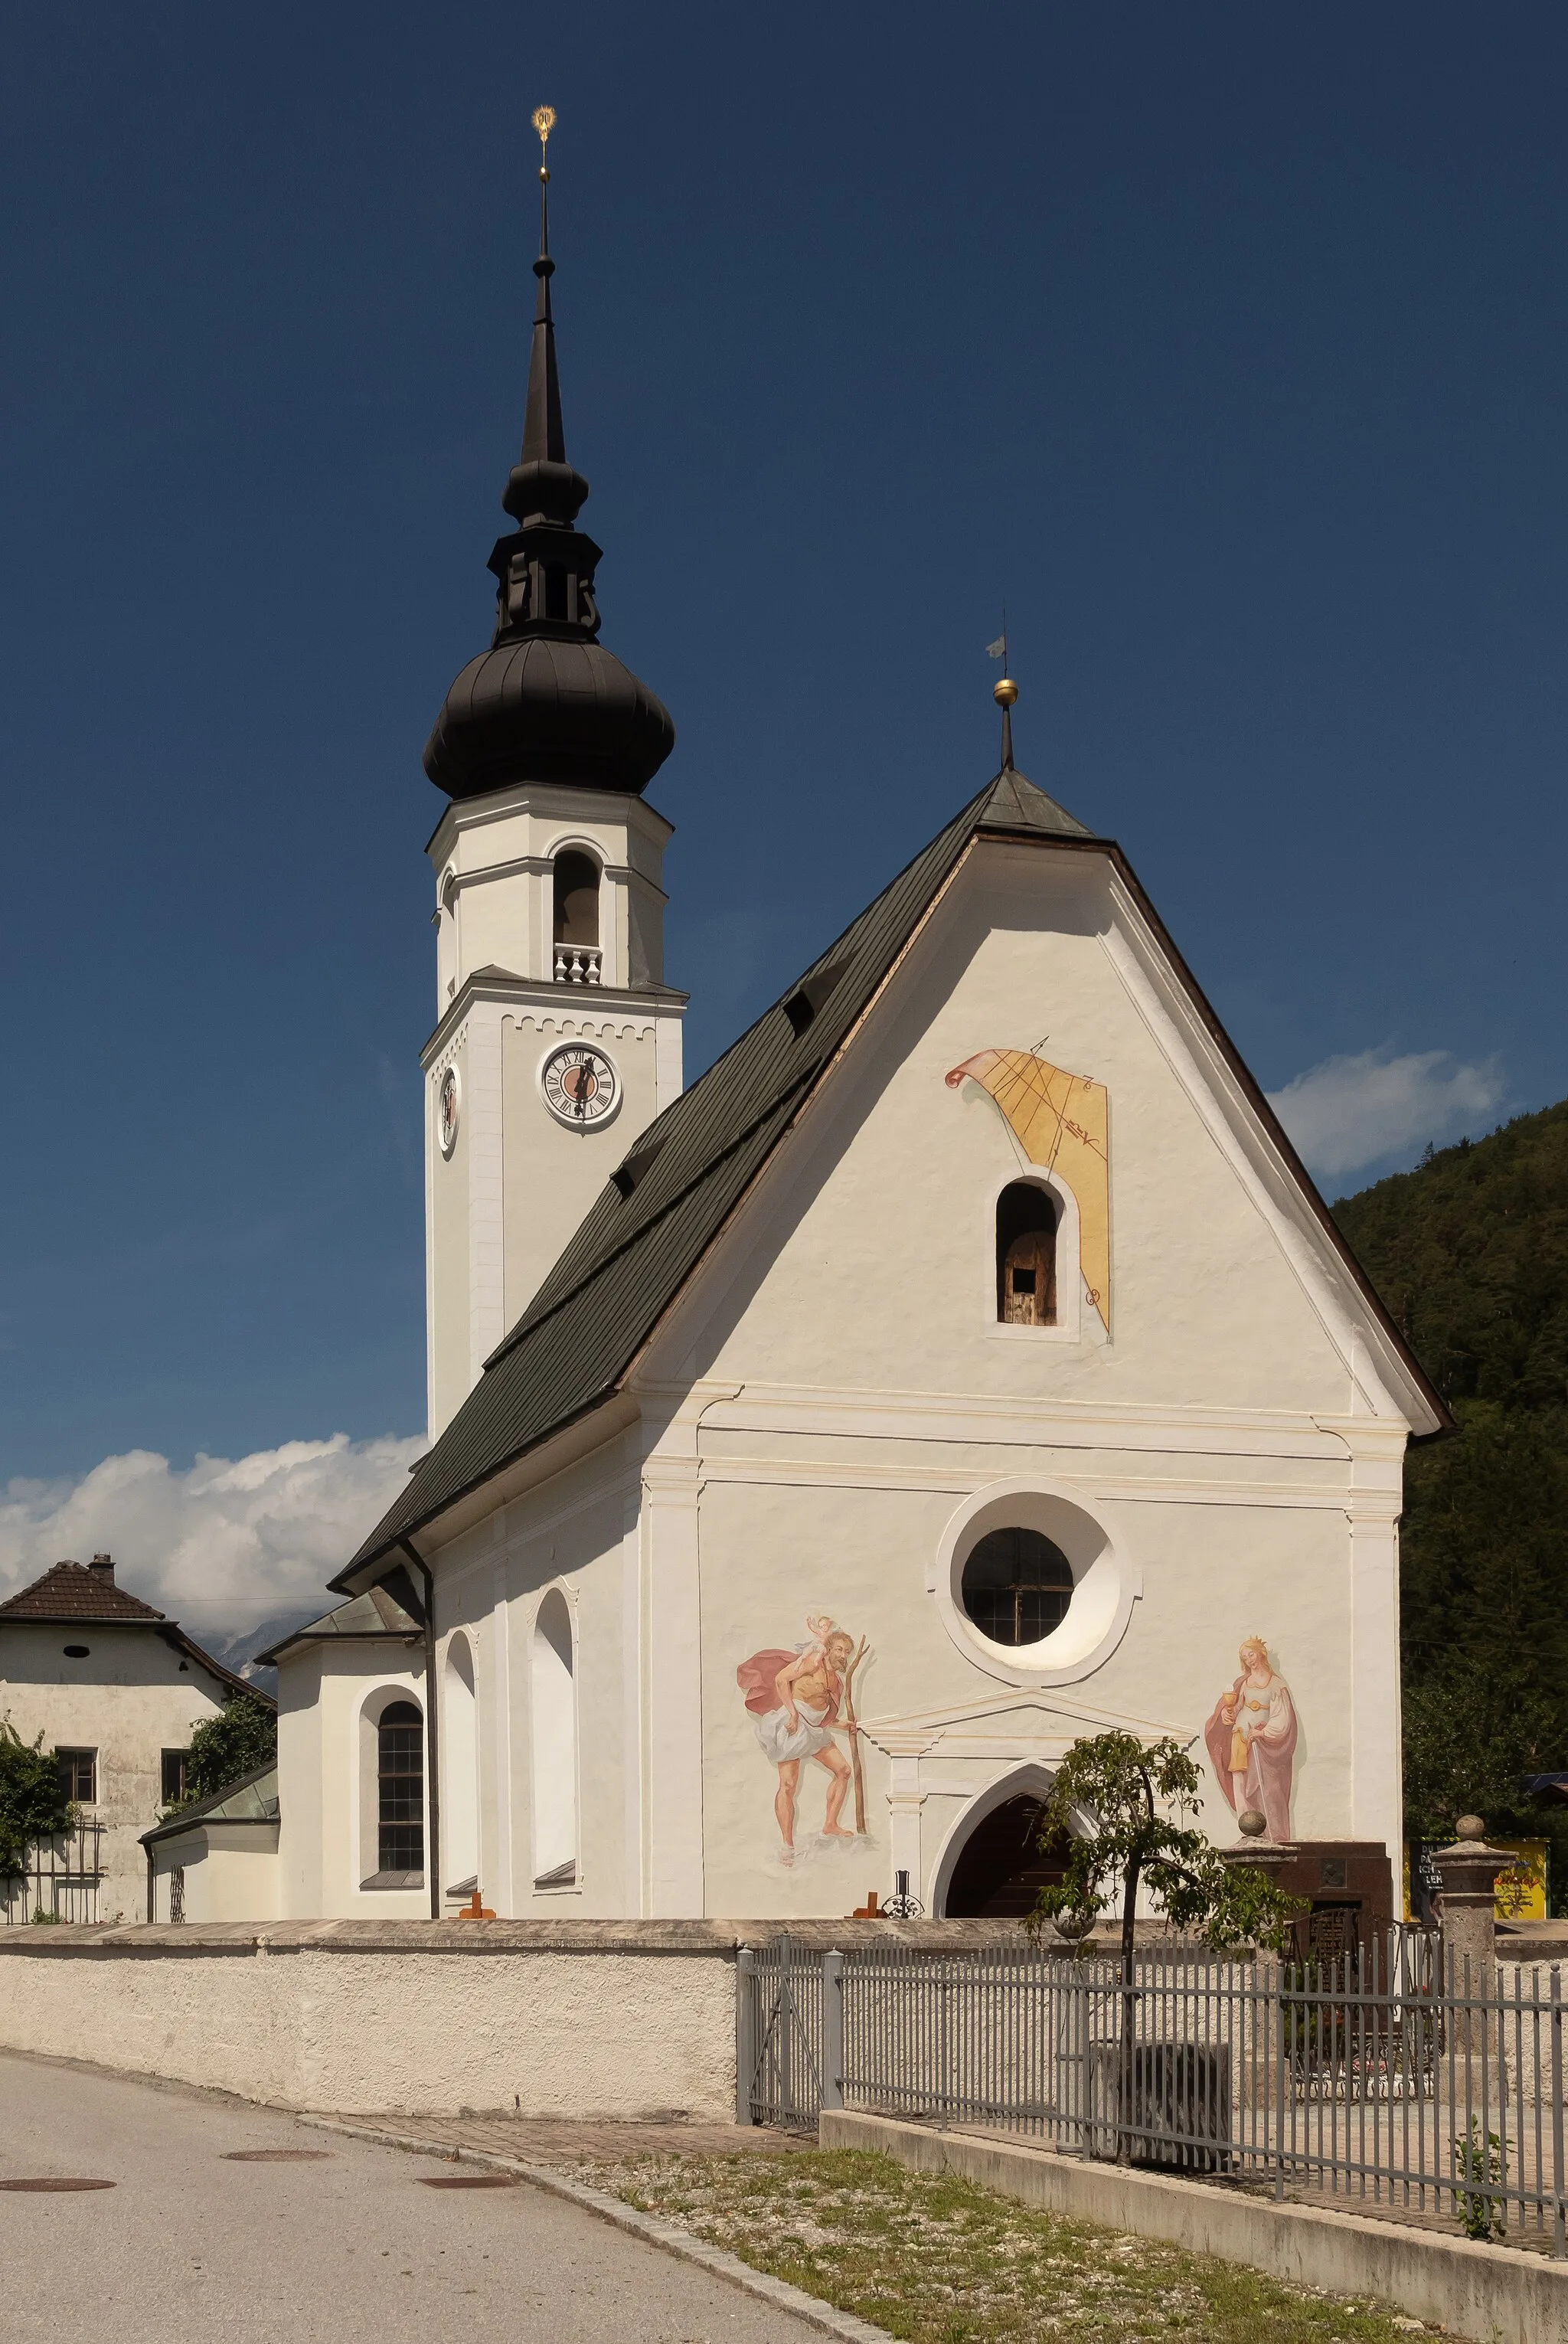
(964, 1364)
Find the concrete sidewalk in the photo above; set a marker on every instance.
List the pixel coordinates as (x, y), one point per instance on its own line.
(192, 2244)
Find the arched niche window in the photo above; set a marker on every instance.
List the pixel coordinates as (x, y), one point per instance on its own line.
(461, 1773)
(400, 1795)
(555, 1745)
(575, 897)
(1026, 1220)
(1016, 1586)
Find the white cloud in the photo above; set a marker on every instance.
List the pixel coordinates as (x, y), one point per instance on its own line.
(1355, 1111)
(224, 1546)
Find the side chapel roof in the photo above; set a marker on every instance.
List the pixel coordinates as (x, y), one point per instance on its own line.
(252, 1799)
(675, 1191)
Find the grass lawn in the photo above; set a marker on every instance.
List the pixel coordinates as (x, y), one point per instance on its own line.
(939, 2261)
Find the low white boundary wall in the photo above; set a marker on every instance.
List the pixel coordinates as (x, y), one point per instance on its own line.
(616, 2019)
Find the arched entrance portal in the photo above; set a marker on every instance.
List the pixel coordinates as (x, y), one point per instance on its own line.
(1000, 1867)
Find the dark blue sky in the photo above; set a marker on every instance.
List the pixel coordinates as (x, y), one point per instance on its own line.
(1228, 344)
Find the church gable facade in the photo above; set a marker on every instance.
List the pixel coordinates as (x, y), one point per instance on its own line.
(962, 1365)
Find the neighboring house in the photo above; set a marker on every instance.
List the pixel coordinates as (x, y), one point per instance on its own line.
(115, 1688)
(964, 1364)
(217, 1859)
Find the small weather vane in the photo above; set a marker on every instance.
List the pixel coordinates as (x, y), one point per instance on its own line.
(1004, 692)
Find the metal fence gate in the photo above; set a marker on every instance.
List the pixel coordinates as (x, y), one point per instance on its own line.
(782, 2074)
(61, 1881)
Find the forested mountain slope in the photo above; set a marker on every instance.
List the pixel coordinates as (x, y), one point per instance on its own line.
(1469, 1252)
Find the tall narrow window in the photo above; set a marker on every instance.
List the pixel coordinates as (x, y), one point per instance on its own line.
(1026, 1256)
(555, 1719)
(400, 1790)
(460, 1770)
(576, 898)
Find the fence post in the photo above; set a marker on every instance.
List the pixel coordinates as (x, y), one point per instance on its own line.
(1469, 1871)
(745, 2034)
(1559, 2247)
(833, 2030)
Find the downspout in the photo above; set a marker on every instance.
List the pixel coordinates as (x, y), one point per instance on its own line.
(152, 1889)
(432, 1744)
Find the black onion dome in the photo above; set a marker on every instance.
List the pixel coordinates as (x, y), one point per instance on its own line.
(544, 709)
(547, 702)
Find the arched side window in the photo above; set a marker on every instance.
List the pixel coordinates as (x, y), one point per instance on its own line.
(1026, 1220)
(555, 1745)
(576, 878)
(400, 1792)
(461, 1773)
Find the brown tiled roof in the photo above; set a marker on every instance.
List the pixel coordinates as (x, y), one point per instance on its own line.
(75, 1591)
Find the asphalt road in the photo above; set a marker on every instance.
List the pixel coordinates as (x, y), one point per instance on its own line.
(191, 2244)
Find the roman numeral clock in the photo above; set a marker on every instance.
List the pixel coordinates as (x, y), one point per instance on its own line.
(581, 1086)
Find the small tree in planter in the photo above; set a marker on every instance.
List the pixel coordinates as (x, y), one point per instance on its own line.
(1137, 1800)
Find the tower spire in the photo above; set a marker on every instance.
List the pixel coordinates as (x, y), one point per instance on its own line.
(542, 482)
(546, 702)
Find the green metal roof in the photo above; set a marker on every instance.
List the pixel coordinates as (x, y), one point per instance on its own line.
(391, 1608)
(252, 1800)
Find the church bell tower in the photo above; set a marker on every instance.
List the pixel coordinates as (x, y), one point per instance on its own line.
(557, 1040)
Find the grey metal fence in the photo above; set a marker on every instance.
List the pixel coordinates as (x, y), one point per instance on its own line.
(1385, 2077)
(61, 1881)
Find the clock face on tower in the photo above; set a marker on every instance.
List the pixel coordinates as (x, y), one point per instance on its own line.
(581, 1086)
(448, 1107)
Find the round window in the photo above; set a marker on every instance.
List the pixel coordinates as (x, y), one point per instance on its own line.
(1017, 1585)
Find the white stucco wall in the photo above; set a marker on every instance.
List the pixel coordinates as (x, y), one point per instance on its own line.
(133, 1697)
(619, 2032)
(579, 1536)
(230, 1872)
(327, 1777)
(854, 1393)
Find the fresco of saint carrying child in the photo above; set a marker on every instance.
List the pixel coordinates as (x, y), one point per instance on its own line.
(799, 1702)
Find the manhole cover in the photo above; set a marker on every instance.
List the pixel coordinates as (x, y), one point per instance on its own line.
(468, 2181)
(55, 2182)
(273, 2156)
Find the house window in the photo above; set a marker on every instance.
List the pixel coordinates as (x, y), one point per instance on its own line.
(575, 898)
(78, 1772)
(1026, 1256)
(400, 1789)
(175, 1763)
(1017, 1586)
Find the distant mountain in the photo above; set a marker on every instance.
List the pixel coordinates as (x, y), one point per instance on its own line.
(238, 1652)
(1469, 1253)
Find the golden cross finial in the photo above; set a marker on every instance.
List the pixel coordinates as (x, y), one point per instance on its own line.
(544, 119)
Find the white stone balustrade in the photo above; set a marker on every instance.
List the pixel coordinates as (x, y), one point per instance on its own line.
(578, 963)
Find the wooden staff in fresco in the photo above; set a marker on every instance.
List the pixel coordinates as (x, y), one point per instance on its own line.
(853, 1731)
